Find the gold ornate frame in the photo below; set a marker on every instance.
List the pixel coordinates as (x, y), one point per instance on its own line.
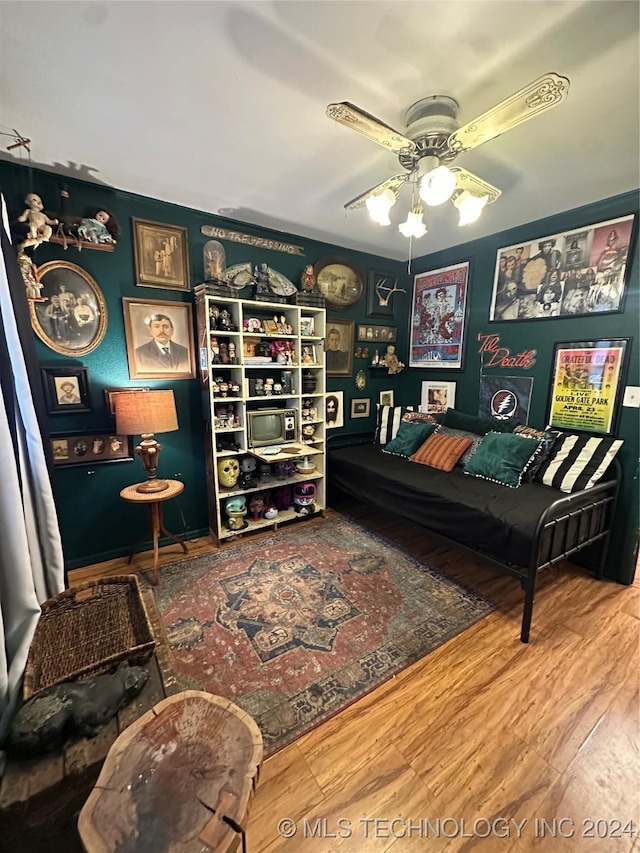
(75, 341)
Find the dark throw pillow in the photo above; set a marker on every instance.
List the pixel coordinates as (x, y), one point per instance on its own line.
(409, 437)
(503, 458)
(474, 423)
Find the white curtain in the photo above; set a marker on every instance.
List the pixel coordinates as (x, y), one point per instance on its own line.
(31, 561)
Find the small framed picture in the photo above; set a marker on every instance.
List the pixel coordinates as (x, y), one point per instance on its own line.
(270, 327)
(110, 395)
(80, 448)
(161, 255)
(361, 408)
(307, 327)
(386, 398)
(308, 354)
(437, 396)
(377, 334)
(66, 389)
(339, 347)
(334, 409)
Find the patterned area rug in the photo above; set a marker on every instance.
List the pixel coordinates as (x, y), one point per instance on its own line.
(295, 627)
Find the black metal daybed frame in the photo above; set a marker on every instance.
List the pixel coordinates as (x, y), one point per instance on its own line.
(562, 530)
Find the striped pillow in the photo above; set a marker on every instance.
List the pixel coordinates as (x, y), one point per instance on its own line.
(441, 451)
(577, 461)
(388, 422)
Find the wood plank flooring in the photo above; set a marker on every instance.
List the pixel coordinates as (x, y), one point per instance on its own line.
(484, 745)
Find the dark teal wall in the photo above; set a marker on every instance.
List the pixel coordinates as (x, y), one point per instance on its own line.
(97, 525)
(541, 335)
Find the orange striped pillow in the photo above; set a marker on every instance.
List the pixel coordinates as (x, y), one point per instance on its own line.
(441, 451)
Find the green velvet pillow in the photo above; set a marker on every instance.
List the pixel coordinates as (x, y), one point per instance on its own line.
(473, 423)
(503, 457)
(409, 438)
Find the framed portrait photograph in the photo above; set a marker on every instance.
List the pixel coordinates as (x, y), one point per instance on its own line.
(159, 338)
(377, 334)
(66, 390)
(380, 289)
(386, 398)
(571, 274)
(339, 347)
(439, 317)
(81, 448)
(587, 385)
(110, 395)
(70, 315)
(334, 409)
(361, 408)
(339, 281)
(161, 254)
(436, 397)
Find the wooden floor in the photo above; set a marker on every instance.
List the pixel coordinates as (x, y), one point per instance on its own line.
(485, 745)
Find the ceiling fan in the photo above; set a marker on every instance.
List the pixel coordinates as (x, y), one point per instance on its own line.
(432, 142)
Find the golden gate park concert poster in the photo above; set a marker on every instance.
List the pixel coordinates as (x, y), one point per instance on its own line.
(586, 385)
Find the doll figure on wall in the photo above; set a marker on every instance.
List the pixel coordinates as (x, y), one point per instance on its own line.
(100, 227)
(29, 273)
(308, 281)
(39, 223)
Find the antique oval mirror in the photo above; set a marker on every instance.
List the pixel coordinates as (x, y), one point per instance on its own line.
(70, 316)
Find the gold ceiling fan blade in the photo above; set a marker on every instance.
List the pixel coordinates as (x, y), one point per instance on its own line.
(545, 92)
(476, 186)
(377, 131)
(390, 184)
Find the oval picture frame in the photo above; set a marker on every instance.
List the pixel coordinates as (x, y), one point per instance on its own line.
(339, 281)
(75, 323)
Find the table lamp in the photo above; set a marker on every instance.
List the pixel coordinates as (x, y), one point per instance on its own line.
(145, 413)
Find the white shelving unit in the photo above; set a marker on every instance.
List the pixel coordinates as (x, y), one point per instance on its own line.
(233, 380)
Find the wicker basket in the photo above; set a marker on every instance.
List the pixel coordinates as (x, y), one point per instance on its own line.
(86, 631)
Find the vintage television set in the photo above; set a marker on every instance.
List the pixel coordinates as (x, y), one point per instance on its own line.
(272, 426)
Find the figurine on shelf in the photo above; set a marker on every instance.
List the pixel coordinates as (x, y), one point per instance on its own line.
(236, 510)
(261, 279)
(308, 281)
(303, 498)
(232, 352)
(30, 277)
(100, 227)
(248, 467)
(391, 360)
(224, 321)
(38, 222)
(256, 506)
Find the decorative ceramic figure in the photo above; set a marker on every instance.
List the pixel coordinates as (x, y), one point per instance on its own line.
(308, 281)
(38, 222)
(391, 360)
(101, 227)
(236, 511)
(30, 277)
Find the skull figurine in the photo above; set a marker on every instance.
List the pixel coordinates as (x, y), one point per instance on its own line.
(228, 471)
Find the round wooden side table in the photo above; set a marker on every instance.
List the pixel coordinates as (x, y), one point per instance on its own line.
(155, 500)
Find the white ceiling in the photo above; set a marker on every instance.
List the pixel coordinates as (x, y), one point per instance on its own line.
(220, 106)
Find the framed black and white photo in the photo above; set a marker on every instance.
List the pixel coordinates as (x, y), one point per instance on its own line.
(361, 408)
(162, 256)
(90, 448)
(574, 273)
(339, 347)
(66, 390)
(375, 334)
(386, 398)
(70, 316)
(159, 339)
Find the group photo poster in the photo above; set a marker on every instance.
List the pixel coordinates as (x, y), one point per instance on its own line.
(438, 317)
(571, 274)
(587, 385)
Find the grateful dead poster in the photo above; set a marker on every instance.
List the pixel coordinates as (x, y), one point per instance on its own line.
(438, 317)
(587, 381)
(505, 397)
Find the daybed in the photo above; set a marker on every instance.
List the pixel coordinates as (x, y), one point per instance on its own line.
(518, 530)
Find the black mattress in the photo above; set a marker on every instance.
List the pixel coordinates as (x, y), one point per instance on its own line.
(477, 513)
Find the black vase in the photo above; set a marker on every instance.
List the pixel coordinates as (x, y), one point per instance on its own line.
(309, 382)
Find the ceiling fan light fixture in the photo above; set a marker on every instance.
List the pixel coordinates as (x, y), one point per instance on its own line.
(379, 206)
(437, 186)
(413, 226)
(469, 206)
